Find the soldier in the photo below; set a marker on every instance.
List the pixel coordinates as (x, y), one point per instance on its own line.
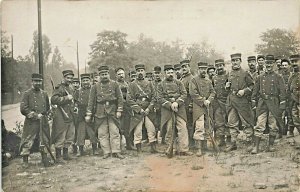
(177, 68)
(171, 95)
(185, 79)
(132, 76)
(278, 64)
(211, 71)
(252, 67)
(82, 98)
(219, 104)
(76, 83)
(269, 96)
(76, 86)
(140, 98)
(106, 106)
(35, 106)
(125, 118)
(240, 84)
(294, 94)
(157, 111)
(149, 76)
(96, 78)
(261, 64)
(202, 94)
(63, 129)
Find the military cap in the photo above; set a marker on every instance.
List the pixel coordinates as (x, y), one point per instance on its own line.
(85, 75)
(103, 68)
(119, 68)
(139, 66)
(202, 65)
(67, 72)
(270, 59)
(168, 67)
(260, 56)
(251, 58)
(211, 66)
(36, 77)
(294, 57)
(219, 61)
(157, 69)
(185, 61)
(177, 66)
(236, 56)
(76, 79)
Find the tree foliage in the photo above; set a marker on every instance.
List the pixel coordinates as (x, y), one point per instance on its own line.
(279, 42)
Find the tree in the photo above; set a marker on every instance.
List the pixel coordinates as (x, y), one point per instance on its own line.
(279, 42)
(57, 60)
(4, 45)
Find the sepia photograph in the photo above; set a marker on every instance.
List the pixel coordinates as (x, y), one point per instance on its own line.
(150, 95)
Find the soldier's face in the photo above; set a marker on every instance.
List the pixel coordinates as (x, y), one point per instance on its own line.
(157, 75)
(76, 85)
(269, 67)
(278, 63)
(169, 74)
(252, 64)
(185, 68)
(132, 77)
(178, 72)
(68, 79)
(284, 65)
(86, 82)
(219, 68)
(96, 78)
(261, 62)
(236, 63)
(140, 73)
(120, 75)
(211, 72)
(37, 84)
(104, 76)
(202, 71)
(296, 65)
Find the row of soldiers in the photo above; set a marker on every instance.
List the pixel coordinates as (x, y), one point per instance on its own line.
(187, 110)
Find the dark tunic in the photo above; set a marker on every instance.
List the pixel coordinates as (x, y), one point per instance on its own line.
(219, 82)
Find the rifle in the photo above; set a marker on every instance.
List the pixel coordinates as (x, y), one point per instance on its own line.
(210, 122)
(169, 151)
(42, 140)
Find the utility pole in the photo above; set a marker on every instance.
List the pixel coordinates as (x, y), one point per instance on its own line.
(40, 44)
(85, 67)
(12, 47)
(77, 61)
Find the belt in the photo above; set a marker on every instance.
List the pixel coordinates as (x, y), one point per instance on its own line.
(107, 102)
(266, 97)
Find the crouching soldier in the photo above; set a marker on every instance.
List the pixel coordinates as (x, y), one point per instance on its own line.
(106, 105)
(82, 98)
(34, 106)
(202, 93)
(270, 95)
(171, 96)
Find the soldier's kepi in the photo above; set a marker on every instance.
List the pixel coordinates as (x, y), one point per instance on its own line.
(35, 106)
(140, 98)
(63, 129)
(269, 95)
(171, 96)
(106, 105)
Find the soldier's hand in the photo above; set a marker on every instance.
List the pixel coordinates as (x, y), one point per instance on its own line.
(146, 112)
(206, 103)
(174, 106)
(88, 118)
(69, 97)
(118, 114)
(39, 116)
(30, 115)
(142, 112)
(227, 85)
(241, 93)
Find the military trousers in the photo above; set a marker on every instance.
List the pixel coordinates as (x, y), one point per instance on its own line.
(138, 133)
(182, 140)
(296, 115)
(109, 135)
(66, 138)
(262, 120)
(220, 122)
(83, 129)
(201, 128)
(234, 121)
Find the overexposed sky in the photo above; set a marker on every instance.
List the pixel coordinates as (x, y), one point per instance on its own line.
(231, 26)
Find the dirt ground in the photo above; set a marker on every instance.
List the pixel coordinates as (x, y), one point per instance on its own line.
(237, 171)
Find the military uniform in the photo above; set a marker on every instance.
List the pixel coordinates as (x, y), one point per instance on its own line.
(63, 128)
(270, 95)
(239, 107)
(170, 91)
(157, 107)
(34, 102)
(141, 97)
(82, 97)
(105, 100)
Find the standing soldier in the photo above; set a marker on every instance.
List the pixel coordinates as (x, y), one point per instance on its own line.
(125, 118)
(211, 71)
(219, 104)
(34, 106)
(202, 94)
(157, 111)
(185, 79)
(294, 94)
(171, 95)
(106, 106)
(177, 68)
(76, 86)
(269, 96)
(261, 64)
(82, 98)
(63, 129)
(252, 67)
(140, 98)
(240, 84)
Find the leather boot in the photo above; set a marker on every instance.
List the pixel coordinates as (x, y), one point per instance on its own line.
(74, 149)
(255, 150)
(270, 146)
(199, 144)
(221, 141)
(94, 148)
(228, 140)
(58, 155)
(291, 132)
(45, 161)
(81, 152)
(66, 154)
(153, 147)
(138, 148)
(25, 161)
(232, 146)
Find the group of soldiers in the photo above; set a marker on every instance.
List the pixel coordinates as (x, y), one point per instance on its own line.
(184, 109)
